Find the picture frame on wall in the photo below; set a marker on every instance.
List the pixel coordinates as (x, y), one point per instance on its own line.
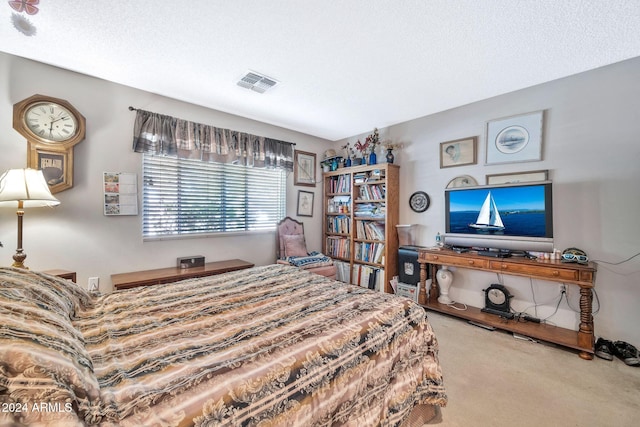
(305, 203)
(462, 181)
(515, 139)
(304, 168)
(513, 178)
(458, 152)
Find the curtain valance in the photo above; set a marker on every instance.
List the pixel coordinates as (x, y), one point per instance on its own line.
(163, 135)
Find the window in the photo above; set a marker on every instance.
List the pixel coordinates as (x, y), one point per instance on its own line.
(184, 197)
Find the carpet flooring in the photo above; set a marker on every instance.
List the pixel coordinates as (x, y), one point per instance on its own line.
(494, 379)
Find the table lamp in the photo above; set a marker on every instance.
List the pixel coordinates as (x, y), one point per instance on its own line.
(24, 188)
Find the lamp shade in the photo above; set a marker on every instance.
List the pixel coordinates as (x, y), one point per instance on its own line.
(27, 186)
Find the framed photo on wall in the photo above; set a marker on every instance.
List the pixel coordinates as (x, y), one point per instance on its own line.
(304, 168)
(459, 152)
(512, 178)
(515, 139)
(305, 203)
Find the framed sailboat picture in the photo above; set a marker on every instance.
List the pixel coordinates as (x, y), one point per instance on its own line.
(515, 139)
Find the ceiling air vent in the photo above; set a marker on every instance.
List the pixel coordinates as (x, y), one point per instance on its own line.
(257, 82)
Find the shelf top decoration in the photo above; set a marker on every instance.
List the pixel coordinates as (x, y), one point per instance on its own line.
(350, 154)
(373, 139)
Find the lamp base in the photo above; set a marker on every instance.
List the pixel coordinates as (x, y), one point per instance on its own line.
(18, 259)
(445, 278)
(444, 299)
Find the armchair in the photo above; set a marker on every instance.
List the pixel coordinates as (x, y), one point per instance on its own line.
(291, 249)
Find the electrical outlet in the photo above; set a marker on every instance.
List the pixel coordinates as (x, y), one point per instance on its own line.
(94, 284)
(563, 288)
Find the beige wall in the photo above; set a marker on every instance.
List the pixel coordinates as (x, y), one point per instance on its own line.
(591, 148)
(76, 235)
(592, 151)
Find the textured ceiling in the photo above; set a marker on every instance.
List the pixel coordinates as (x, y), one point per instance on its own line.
(344, 67)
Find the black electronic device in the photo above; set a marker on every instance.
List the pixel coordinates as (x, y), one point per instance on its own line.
(191, 261)
(408, 265)
(531, 318)
(496, 301)
(516, 216)
(495, 254)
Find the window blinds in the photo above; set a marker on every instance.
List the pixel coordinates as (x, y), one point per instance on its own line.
(191, 197)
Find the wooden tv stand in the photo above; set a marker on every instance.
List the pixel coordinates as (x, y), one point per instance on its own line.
(551, 270)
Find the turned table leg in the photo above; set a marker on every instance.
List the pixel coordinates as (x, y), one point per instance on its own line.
(585, 331)
(422, 288)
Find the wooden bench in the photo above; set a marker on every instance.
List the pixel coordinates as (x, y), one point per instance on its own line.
(173, 274)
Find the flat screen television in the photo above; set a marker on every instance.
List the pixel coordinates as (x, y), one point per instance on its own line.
(515, 217)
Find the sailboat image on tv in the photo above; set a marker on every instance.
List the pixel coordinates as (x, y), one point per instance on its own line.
(489, 217)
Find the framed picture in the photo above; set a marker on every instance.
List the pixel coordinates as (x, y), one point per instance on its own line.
(515, 139)
(462, 181)
(305, 203)
(458, 153)
(56, 165)
(304, 168)
(512, 178)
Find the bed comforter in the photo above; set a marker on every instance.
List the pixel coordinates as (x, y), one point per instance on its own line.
(269, 346)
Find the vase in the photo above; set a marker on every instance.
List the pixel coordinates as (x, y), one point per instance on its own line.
(445, 278)
(347, 162)
(390, 157)
(373, 158)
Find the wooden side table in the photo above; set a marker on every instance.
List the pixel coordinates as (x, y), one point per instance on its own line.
(173, 274)
(65, 274)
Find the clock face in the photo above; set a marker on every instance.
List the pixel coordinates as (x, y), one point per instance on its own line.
(419, 201)
(496, 296)
(50, 121)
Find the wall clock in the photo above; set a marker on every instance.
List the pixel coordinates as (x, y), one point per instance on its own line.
(47, 120)
(419, 201)
(52, 127)
(496, 299)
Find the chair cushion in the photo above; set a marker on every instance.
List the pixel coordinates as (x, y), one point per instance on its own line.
(294, 245)
(314, 259)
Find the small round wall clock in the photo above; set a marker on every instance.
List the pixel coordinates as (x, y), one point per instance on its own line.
(419, 201)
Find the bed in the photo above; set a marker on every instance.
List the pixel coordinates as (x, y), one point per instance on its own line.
(268, 346)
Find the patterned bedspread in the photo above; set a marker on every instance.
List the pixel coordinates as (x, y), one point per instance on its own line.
(269, 346)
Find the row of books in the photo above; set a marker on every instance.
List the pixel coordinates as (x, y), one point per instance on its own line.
(371, 210)
(369, 252)
(338, 224)
(370, 230)
(368, 277)
(338, 247)
(374, 175)
(372, 192)
(343, 272)
(339, 184)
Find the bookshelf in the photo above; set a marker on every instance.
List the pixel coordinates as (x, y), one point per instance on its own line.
(361, 211)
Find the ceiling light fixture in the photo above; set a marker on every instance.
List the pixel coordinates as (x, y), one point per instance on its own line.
(257, 82)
